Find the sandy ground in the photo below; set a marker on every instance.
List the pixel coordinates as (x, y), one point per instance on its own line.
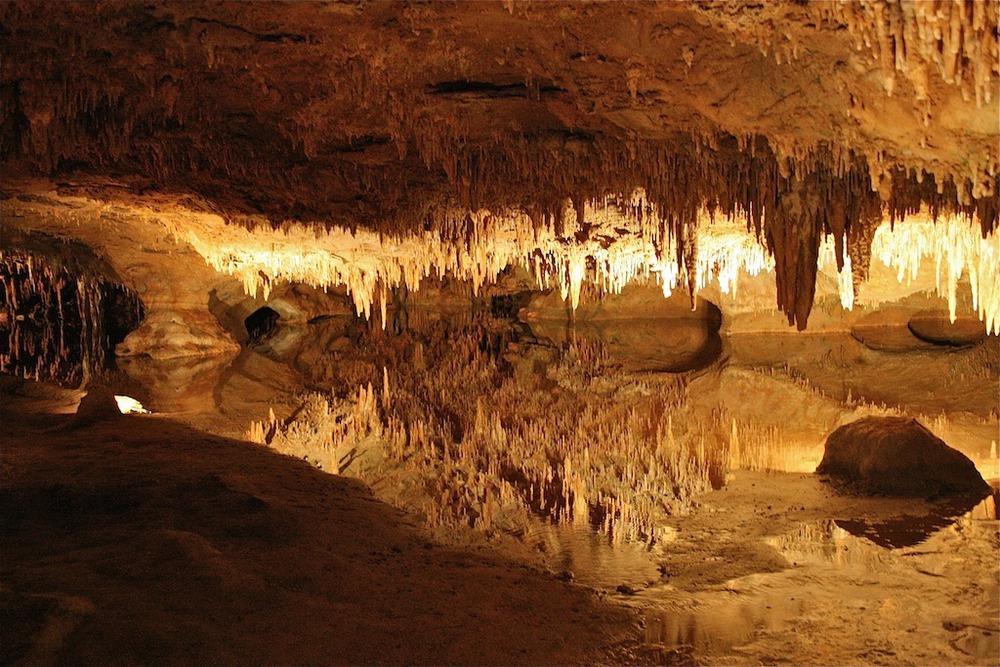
(144, 541)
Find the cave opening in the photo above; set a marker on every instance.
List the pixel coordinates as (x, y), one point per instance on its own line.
(261, 323)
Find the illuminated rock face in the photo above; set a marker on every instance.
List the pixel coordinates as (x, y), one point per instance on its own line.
(898, 456)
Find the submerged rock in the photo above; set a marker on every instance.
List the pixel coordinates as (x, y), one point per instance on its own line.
(898, 456)
(936, 327)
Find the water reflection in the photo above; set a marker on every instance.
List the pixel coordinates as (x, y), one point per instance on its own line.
(868, 544)
(591, 559)
(720, 624)
(61, 315)
(826, 543)
(908, 531)
(183, 385)
(671, 345)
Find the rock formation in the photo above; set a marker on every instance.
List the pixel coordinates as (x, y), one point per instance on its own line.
(98, 404)
(898, 456)
(936, 327)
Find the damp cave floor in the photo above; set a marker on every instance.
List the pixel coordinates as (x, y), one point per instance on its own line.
(145, 540)
(141, 540)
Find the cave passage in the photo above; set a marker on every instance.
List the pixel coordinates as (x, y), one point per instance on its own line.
(647, 332)
(261, 323)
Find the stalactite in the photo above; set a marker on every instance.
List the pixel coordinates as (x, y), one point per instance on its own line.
(910, 37)
(54, 325)
(958, 250)
(615, 250)
(294, 155)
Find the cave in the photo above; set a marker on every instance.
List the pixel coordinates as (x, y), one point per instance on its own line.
(500, 332)
(63, 313)
(261, 323)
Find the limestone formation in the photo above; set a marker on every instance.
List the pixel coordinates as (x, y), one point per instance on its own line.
(98, 404)
(936, 327)
(573, 285)
(898, 456)
(802, 122)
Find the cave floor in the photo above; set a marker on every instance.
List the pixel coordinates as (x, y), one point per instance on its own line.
(141, 540)
(169, 539)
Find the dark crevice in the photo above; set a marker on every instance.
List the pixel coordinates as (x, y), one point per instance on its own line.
(261, 324)
(489, 90)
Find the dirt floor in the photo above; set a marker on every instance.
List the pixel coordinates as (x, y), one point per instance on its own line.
(141, 540)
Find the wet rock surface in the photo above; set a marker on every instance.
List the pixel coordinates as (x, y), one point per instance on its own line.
(898, 456)
(935, 326)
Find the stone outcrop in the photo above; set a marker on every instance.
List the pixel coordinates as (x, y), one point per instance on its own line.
(898, 456)
(98, 404)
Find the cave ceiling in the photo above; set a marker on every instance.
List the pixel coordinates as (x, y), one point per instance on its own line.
(804, 118)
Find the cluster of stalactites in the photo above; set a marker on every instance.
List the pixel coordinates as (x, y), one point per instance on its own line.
(955, 38)
(957, 249)
(50, 321)
(791, 196)
(608, 248)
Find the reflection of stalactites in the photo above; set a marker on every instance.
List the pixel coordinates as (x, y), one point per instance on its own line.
(827, 543)
(55, 323)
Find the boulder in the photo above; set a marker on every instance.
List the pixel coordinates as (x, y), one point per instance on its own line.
(635, 301)
(640, 330)
(898, 456)
(99, 404)
(935, 326)
(638, 346)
